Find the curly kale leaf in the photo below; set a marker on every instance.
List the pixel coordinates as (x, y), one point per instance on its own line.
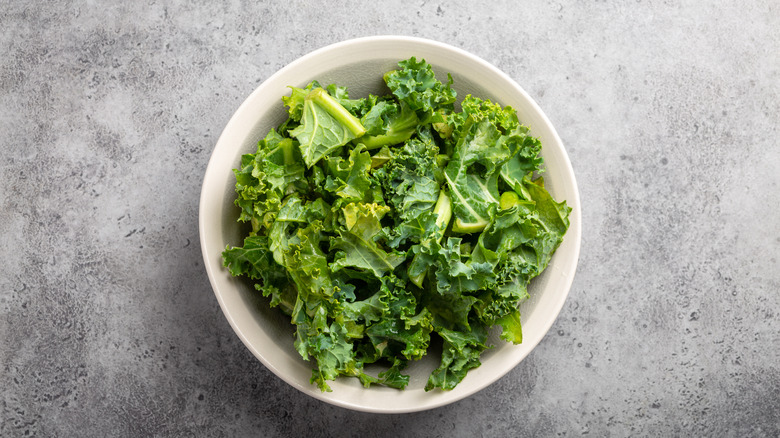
(388, 123)
(461, 350)
(266, 177)
(409, 180)
(356, 244)
(349, 178)
(325, 126)
(415, 85)
(255, 260)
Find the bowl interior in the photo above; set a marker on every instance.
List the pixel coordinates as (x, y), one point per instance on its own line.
(359, 65)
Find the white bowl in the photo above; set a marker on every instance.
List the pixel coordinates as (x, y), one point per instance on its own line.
(359, 64)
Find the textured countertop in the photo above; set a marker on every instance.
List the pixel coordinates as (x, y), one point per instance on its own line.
(669, 112)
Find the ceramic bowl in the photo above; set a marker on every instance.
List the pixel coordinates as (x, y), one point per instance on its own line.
(359, 64)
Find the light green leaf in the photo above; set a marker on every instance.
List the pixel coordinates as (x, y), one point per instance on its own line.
(325, 126)
(356, 245)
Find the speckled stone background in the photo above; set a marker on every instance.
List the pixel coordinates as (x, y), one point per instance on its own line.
(108, 115)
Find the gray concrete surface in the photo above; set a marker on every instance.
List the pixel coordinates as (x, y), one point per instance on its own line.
(108, 114)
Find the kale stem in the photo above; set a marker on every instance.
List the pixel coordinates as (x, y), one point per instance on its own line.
(443, 211)
(321, 97)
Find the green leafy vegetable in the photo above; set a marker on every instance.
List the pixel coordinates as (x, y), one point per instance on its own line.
(381, 223)
(355, 244)
(324, 126)
(388, 123)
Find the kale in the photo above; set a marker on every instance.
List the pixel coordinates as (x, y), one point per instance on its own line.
(438, 233)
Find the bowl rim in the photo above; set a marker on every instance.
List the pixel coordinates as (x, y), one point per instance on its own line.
(573, 234)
